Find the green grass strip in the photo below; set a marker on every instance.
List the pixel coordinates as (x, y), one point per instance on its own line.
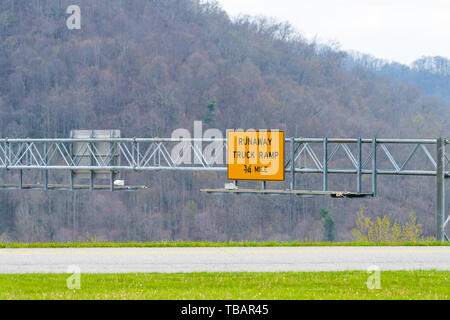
(422, 285)
(210, 244)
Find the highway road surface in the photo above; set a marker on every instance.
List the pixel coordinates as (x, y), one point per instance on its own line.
(270, 259)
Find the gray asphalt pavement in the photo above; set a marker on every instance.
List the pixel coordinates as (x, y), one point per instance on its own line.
(130, 260)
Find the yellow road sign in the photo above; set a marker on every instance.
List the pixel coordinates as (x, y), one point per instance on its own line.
(256, 155)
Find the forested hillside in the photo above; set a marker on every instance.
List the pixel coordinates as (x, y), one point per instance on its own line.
(148, 67)
(431, 74)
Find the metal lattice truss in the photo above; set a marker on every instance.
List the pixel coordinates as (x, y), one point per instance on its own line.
(108, 157)
(401, 157)
(157, 154)
(134, 154)
(410, 157)
(321, 156)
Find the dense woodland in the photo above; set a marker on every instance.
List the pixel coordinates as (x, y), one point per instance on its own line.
(148, 67)
(431, 74)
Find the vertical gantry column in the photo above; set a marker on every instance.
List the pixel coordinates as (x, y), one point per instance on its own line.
(374, 168)
(20, 174)
(91, 157)
(135, 154)
(440, 185)
(292, 157)
(45, 164)
(72, 159)
(359, 170)
(5, 150)
(112, 176)
(325, 164)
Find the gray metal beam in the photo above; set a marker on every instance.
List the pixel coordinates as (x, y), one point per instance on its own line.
(374, 168)
(440, 192)
(359, 169)
(292, 163)
(325, 164)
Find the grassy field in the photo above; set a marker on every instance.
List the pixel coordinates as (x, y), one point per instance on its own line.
(200, 286)
(6, 245)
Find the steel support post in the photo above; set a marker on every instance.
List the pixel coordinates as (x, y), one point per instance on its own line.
(112, 176)
(359, 169)
(292, 157)
(27, 154)
(440, 185)
(91, 172)
(135, 158)
(72, 157)
(325, 164)
(374, 167)
(7, 155)
(45, 171)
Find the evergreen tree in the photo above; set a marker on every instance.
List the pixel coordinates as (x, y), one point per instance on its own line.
(212, 108)
(328, 225)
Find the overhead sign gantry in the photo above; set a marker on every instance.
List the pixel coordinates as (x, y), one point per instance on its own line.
(87, 156)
